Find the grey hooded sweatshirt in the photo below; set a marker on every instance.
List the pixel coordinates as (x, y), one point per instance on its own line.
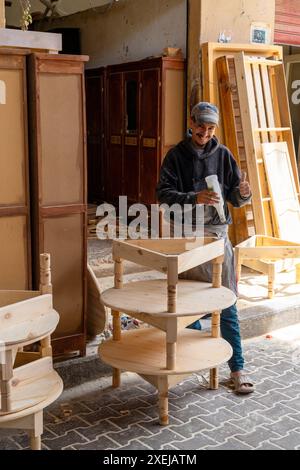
(182, 176)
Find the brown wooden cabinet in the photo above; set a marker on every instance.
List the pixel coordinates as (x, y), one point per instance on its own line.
(15, 251)
(146, 117)
(58, 187)
(95, 114)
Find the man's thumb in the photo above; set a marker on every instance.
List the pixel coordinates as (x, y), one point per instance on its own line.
(244, 177)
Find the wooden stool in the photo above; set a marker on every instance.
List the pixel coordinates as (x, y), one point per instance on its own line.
(28, 382)
(168, 352)
(267, 255)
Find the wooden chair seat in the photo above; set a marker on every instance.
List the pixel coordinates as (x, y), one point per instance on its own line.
(32, 386)
(27, 331)
(150, 297)
(28, 382)
(144, 352)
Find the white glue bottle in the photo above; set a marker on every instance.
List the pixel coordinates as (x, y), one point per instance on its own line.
(213, 185)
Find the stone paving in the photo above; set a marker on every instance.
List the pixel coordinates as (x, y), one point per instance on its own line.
(95, 416)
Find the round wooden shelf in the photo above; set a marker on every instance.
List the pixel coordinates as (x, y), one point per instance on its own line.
(33, 396)
(150, 297)
(144, 352)
(28, 330)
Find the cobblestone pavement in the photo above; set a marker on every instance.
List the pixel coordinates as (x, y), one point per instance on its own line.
(95, 416)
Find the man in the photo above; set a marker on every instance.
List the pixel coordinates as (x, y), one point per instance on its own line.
(182, 181)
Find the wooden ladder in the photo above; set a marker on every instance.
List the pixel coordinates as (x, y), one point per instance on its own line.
(260, 112)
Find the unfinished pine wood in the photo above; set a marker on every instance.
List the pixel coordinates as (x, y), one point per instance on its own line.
(195, 351)
(229, 105)
(59, 187)
(15, 249)
(28, 382)
(97, 315)
(267, 255)
(2, 14)
(265, 119)
(149, 298)
(282, 190)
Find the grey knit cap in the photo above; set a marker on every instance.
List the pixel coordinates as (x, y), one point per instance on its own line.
(205, 112)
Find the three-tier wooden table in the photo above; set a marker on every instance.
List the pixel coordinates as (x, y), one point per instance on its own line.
(28, 382)
(166, 352)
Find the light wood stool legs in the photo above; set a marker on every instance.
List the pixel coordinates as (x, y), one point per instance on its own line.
(33, 424)
(163, 392)
(215, 332)
(116, 381)
(297, 273)
(271, 281)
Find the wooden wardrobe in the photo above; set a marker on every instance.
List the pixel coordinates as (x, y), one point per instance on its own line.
(58, 187)
(15, 241)
(146, 117)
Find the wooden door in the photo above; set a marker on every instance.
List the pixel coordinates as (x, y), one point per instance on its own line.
(150, 137)
(131, 135)
(95, 114)
(15, 257)
(58, 171)
(114, 175)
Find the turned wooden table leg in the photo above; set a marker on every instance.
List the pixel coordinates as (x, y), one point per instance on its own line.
(215, 332)
(271, 281)
(297, 273)
(163, 392)
(238, 264)
(215, 326)
(46, 348)
(37, 431)
(171, 336)
(116, 382)
(6, 374)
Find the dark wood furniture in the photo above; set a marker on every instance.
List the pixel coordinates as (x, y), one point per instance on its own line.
(95, 114)
(58, 187)
(146, 117)
(15, 243)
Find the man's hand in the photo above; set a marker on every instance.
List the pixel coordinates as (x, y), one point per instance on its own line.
(244, 187)
(209, 198)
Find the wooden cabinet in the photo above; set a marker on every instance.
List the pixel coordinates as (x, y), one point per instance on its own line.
(58, 187)
(146, 117)
(95, 113)
(15, 256)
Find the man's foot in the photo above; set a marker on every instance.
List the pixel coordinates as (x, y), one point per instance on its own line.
(241, 383)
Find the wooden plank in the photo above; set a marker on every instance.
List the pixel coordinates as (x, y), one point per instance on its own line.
(283, 189)
(248, 115)
(211, 51)
(150, 297)
(143, 351)
(231, 121)
(285, 117)
(34, 40)
(136, 255)
(2, 14)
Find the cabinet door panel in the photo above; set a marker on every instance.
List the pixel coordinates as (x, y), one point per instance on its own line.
(58, 137)
(15, 252)
(150, 125)
(61, 138)
(95, 91)
(115, 136)
(131, 135)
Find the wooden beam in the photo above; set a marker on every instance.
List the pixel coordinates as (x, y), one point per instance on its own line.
(2, 14)
(194, 58)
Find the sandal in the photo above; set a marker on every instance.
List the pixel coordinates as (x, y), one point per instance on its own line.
(242, 384)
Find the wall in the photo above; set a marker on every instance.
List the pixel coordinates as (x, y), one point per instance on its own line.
(234, 16)
(14, 12)
(130, 30)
